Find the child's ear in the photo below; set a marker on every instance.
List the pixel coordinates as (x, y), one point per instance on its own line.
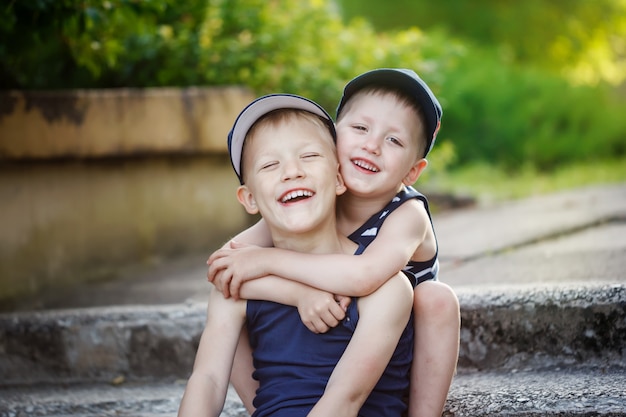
(245, 197)
(340, 187)
(415, 172)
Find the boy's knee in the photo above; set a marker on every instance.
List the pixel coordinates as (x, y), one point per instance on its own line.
(436, 298)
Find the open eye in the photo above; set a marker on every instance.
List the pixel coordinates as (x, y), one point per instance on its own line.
(394, 140)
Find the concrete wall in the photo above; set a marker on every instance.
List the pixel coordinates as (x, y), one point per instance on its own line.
(92, 181)
(117, 123)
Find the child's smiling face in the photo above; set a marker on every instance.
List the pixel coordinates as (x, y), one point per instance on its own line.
(377, 142)
(291, 174)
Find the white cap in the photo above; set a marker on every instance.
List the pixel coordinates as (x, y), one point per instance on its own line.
(259, 108)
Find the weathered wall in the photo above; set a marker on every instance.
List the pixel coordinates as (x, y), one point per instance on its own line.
(116, 123)
(94, 181)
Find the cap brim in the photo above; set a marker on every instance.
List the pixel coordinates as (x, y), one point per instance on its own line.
(259, 108)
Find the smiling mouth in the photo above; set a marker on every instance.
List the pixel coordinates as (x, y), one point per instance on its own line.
(296, 195)
(365, 165)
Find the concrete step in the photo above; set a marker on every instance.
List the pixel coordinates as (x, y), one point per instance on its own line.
(504, 329)
(136, 399)
(557, 392)
(560, 391)
(536, 327)
(525, 351)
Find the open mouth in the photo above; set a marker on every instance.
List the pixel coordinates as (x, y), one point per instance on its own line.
(296, 195)
(365, 165)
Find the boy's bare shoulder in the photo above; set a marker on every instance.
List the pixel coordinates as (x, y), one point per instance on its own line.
(411, 210)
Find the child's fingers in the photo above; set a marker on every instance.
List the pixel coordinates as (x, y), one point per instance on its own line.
(235, 286)
(226, 291)
(215, 267)
(331, 317)
(238, 245)
(313, 327)
(217, 282)
(343, 301)
(210, 274)
(221, 283)
(220, 253)
(338, 312)
(320, 326)
(329, 323)
(319, 321)
(212, 258)
(309, 325)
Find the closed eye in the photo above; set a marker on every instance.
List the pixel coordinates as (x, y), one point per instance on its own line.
(311, 155)
(269, 165)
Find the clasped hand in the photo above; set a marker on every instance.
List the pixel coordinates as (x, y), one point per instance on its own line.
(230, 267)
(236, 263)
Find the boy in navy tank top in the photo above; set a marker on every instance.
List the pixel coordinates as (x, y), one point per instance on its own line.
(387, 122)
(282, 149)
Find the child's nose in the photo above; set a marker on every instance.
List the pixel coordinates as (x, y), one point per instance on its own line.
(371, 145)
(292, 170)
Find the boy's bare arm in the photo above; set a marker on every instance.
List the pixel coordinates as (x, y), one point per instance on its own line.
(241, 374)
(258, 234)
(397, 241)
(383, 316)
(207, 386)
(319, 310)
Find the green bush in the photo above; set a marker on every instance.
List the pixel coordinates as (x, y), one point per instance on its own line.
(516, 116)
(290, 45)
(297, 46)
(57, 44)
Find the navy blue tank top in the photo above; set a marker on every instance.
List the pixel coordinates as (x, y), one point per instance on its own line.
(293, 365)
(417, 272)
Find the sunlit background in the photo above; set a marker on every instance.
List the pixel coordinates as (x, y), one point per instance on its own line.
(533, 93)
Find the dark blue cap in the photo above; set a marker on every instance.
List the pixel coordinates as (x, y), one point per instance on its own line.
(405, 80)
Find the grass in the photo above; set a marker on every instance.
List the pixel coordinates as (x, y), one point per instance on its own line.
(487, 183)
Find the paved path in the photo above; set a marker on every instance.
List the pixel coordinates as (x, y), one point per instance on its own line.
(571, 237)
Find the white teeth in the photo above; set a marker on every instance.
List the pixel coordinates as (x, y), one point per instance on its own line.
(365, 165)
(295, 194)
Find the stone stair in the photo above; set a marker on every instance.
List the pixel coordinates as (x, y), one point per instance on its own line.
(524, 352)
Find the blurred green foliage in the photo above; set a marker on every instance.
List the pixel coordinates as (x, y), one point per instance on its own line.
(514, 116)
(288, 45)
(58, 44)
(583, 39)
(496, 107)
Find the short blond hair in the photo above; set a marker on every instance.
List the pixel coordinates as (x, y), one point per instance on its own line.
(277, 117)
